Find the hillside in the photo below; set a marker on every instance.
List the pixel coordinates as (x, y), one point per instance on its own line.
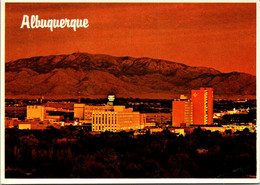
(62, 76)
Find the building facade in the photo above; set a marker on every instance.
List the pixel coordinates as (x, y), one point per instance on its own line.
(182, 113)
(111, 118)
(89, 109)
(104, 121)
(198, 110)
(79, 111)
(202, 100)
(35, 112)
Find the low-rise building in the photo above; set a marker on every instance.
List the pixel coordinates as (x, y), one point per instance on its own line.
(116, 118)
(35, 112)
(36, 125)
(24, 126)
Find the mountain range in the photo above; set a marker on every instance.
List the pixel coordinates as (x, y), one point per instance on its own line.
(97, 75)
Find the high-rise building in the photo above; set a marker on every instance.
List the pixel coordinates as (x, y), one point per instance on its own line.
(202, 100)
(182, 112)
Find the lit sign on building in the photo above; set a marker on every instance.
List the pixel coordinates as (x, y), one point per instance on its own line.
(111, 98)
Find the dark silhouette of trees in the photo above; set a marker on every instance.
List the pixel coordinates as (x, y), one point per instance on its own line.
(71, 152)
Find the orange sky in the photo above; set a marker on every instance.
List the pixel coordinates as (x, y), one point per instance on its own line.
(222, 36)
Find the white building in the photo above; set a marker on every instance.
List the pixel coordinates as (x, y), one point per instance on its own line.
(110, 118)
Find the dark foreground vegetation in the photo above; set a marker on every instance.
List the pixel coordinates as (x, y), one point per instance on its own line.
(202, 154)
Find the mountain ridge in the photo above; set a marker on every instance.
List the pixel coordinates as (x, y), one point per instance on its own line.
(99, 74)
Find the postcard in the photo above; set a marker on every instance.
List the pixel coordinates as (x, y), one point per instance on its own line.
(129, 92)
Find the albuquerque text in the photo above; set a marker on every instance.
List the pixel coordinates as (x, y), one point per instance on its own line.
(35, 22)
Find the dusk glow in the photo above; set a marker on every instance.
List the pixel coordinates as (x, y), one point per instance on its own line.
(130, 91)
(221, 36)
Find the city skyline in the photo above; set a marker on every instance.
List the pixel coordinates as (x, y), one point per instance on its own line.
(197, 34)
(129, 91)
(116, 130)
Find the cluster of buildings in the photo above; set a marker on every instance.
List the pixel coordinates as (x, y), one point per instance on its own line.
(109, 117)
(186, 115)
(39, 116)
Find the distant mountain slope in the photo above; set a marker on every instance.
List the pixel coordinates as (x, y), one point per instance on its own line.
(96, 75)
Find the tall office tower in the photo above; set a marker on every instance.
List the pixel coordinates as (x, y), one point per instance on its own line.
(202, 100)
(182, 112)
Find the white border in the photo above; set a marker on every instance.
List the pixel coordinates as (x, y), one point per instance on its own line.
(132, 1)
(119, 180)
(2, 113)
